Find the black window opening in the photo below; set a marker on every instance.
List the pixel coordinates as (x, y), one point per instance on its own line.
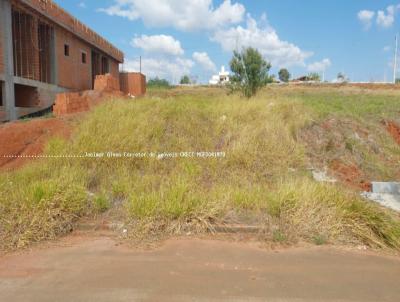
(1, 93)
(104, 66)
(83, 57)
(66, 50)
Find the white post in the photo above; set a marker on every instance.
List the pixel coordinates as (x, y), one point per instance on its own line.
(395, 61)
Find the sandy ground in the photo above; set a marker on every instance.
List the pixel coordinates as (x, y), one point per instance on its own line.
(98, 269)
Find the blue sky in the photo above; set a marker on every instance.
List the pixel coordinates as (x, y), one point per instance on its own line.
(196, 37)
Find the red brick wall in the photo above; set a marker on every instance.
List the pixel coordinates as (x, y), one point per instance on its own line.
(67, 103)
(53, 11)
(114, 69)
(26, 54)
(72, 73)
(106, 83)
(133, 83)
(26, 96)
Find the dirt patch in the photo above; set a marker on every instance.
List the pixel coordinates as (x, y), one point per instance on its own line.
(351, 175)
(28, 138)
(198, 270)
(394, 130)
(353, 152)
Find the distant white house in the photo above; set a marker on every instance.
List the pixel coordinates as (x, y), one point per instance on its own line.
(221, 78)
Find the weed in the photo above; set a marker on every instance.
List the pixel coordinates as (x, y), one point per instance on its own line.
(319, 239)
(278, 236)
(101, 203)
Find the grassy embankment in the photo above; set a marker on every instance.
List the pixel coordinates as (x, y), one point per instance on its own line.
(264, 178)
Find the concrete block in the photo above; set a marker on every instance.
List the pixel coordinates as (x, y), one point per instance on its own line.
(391, 201)
(386, 187)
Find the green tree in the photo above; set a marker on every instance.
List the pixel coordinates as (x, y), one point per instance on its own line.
(250, 72)
(341, 77)
(284, 75)
(158, 83)
(314, 77)
(398, 81)
(185, 80)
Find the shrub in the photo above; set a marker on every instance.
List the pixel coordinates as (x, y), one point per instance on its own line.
(250, 72)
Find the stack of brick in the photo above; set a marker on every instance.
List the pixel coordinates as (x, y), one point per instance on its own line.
(67, 103)
(132, 83)
(106, 83)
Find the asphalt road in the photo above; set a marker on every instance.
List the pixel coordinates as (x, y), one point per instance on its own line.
(97, 269)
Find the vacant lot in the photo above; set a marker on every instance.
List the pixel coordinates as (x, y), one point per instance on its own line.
(270, 144)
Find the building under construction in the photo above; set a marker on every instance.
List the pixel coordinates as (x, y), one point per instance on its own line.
(44, 51)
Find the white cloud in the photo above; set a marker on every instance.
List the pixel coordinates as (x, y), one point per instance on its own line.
(266, 40)
(204, 60)
(386, 20)
(161, 44)
(172, 70)
(319, 66)
(186, 15)
(366, 16)
(387, 48)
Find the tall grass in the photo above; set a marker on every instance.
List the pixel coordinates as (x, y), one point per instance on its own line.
(263, 179)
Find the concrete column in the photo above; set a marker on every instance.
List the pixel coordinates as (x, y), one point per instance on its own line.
(6, 28)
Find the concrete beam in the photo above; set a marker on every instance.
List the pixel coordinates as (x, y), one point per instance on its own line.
(37, 84)
(6, 28)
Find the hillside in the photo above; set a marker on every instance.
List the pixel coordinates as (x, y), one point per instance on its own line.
(251, 165)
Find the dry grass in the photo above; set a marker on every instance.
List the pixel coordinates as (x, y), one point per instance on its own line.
(263, 179)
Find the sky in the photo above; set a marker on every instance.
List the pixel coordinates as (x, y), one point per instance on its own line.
(197, 37)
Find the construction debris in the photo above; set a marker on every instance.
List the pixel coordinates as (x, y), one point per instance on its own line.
(385, 193)
(73, 102)
(322, 176)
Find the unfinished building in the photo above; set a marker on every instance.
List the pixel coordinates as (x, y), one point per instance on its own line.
(44, 51)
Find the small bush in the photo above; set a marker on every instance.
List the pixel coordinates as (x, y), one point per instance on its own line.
(33, 208)
(101, 203)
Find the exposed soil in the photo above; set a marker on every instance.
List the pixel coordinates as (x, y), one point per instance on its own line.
(99, 269)
(341, 145)
(351, 175)
(28, 138)
(394, 131)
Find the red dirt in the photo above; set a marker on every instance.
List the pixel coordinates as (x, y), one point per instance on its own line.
(351, 175)
(100, 269)
(28, 138)
(394, 131)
